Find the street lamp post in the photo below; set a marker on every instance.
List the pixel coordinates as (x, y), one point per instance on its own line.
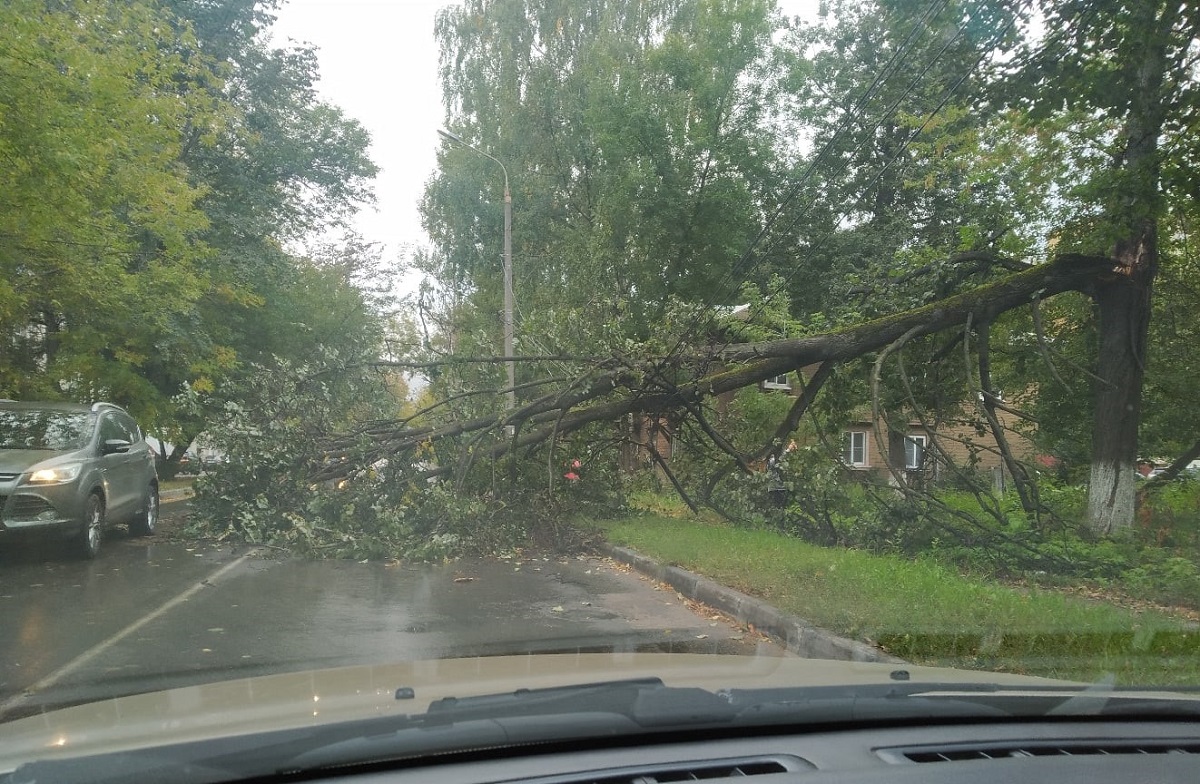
(511, 394)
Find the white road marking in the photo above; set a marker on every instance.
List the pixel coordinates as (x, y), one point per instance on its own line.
(85, 657)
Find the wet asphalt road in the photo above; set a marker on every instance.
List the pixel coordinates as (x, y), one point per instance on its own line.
(151, 614)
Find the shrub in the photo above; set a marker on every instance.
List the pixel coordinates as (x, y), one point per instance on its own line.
(1165, 579)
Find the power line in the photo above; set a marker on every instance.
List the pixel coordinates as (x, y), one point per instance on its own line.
(948, 94)
(739, 269)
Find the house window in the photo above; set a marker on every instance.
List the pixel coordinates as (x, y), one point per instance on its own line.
(914, 452)
(856, 448)
(777, 382)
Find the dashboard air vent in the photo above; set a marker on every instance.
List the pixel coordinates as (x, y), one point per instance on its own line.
(1039, 749)
(709, 770)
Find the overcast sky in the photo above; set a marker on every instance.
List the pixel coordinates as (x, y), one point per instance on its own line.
(379, 64)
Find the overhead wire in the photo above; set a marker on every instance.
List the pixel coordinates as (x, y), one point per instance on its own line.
(948, 94)
(849, 118)
(945, 99)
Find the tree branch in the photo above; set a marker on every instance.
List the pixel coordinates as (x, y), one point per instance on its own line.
(1026, 489)
(1170, 472)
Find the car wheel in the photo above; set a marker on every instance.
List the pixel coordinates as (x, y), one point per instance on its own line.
(93, 527)
(147, 519)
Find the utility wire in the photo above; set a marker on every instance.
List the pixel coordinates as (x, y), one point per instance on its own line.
(948, 94)
(739, 269)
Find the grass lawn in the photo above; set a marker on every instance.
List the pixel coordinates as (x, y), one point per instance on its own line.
(175, 484)
(922, 611)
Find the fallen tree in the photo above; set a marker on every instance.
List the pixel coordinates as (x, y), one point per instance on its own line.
(610, 388)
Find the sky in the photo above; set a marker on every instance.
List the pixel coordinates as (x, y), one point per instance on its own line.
(378, 62)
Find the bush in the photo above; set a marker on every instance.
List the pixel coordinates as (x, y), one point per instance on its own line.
(1164, 579)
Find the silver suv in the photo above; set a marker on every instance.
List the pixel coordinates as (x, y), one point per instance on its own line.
(70, 470)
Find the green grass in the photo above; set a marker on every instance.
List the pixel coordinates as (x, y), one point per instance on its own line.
(922, 611)
(175, 484)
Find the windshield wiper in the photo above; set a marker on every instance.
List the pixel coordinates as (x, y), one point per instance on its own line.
(632, 707)
(586, 710)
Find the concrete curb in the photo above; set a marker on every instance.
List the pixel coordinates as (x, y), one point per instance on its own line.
(795, 634)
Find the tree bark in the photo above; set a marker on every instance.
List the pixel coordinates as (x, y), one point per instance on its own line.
(1124, 299)
(1124, 321)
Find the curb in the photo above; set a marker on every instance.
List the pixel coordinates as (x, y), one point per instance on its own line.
(797, 635)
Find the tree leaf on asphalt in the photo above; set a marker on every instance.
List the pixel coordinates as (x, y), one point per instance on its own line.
(559, 608)
(464, 579)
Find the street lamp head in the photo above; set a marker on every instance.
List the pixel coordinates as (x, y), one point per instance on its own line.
(454, 137)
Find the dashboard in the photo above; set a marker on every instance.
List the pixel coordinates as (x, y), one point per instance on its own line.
(1056, 752)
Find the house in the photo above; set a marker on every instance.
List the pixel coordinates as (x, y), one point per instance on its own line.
(915, 452)
(921, 451)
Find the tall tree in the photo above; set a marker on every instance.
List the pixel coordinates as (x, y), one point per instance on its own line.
(283, 165)
(98, 219)
(1131, 64)
(633, 136)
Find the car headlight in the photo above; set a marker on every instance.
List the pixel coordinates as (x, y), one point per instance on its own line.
(55, 476)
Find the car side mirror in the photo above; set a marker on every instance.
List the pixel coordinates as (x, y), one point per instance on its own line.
(115, 446)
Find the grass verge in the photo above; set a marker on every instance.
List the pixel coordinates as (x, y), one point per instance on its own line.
(922, 611)
(175, 484)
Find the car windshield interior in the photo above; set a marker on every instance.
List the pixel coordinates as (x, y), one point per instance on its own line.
(579, 391)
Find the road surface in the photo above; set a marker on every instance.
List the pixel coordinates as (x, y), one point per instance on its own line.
(159, 612)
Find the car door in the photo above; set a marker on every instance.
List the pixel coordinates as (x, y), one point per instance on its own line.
(141, 458)
(121, 472)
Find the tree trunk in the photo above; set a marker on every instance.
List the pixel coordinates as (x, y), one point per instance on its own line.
(1124, 298)
(1124, 306)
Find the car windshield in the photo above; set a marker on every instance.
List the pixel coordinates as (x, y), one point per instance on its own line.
(443, 348)
(50, 430)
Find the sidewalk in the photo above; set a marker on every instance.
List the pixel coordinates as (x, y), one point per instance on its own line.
(795, 634)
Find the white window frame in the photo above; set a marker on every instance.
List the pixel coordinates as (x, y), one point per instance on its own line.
(848, 454)
(909, 442)
(775, 382)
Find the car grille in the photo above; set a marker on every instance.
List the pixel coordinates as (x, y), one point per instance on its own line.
(6, 477)
(26, 507)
